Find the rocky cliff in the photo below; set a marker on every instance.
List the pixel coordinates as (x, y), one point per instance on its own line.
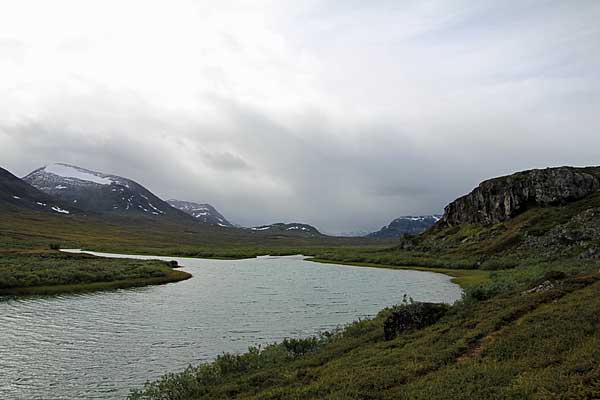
(502, 198)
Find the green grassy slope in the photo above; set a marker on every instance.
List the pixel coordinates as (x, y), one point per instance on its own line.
(528, 327)
(538, 345)
(25, 232)
(49, 272)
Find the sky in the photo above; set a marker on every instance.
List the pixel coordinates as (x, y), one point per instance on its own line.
(341, 114)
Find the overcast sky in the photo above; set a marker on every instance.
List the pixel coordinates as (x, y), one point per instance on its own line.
(341, 114)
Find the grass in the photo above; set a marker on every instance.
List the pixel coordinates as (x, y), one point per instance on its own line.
(169, 277)
(517, 346)
(50, 272)
(24, 233)
(528, 326)
(462, 277)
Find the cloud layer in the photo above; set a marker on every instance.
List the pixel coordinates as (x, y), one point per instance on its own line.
(341, 114)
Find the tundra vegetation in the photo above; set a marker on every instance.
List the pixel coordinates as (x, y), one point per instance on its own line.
(526, 328)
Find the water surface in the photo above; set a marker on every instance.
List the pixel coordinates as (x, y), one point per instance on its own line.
(99, 345)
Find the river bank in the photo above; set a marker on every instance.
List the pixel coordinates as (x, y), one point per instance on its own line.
(54, 272)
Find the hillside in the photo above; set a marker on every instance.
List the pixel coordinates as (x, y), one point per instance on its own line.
(503, 198)
(100, 193)
(526, 328)
(17, 194)
(201, 212)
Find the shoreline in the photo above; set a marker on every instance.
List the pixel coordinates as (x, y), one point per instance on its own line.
(461, 277)
(172, 277)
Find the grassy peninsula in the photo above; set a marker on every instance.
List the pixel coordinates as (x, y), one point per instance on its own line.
(50, 272)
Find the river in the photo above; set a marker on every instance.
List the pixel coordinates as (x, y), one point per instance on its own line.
(100, 345)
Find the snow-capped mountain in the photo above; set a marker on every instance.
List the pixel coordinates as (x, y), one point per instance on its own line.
(201, 212)
(286, 229)
(407, 225)
(98, 192)
(15, 194)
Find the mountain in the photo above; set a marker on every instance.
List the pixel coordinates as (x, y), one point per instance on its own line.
(353, 234)
(500, 199)
(295, 229)
(15, 194)
(201, 212)
(550, 213)
(406, 225)
(98, 192)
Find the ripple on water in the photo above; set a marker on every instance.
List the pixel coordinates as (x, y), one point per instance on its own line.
(99, 345)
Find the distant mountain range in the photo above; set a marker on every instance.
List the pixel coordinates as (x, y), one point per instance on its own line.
(287, 228)
(201, 212)
(406, 225)
(64, 189)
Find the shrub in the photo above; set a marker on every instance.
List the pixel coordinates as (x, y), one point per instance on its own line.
(54, 246)
(412, 316)
(299, 347)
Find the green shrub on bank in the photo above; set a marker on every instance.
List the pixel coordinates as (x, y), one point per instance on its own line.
(513, 345)
(25, 270)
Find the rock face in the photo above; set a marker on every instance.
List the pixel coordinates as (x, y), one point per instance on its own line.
(408, 225)
(201, 212)
(580, 235)
(500, 199)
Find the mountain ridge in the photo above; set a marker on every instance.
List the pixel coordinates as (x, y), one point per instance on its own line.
(203, 212)
(406, 225)
(293, 228)
(18, 194)
(99, 192)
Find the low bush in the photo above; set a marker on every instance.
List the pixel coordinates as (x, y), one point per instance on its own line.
(412, 316)
(23, 270)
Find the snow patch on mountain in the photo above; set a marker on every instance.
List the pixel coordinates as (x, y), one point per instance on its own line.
(201, 212)
(70, 171)
(261, 228)
(98, 192)
(291, 228)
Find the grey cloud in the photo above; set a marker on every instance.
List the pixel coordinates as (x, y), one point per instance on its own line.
(226, 161)
(403, 120)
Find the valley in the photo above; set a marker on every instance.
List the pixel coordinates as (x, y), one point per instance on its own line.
(527, 263)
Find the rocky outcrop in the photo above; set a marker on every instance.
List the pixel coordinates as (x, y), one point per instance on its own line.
(500, 199)
(580, 236)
